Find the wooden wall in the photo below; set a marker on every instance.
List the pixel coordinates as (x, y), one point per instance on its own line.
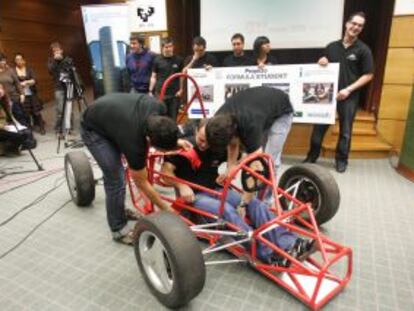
(29, 26)
(398, 82)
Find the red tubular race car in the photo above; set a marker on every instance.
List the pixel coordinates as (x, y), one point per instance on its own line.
(171, 259)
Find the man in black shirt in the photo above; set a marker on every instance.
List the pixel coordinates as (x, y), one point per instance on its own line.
(57, 64)
(255, 117)
(238, 58)
(200, 58)
(355, 71)
(165, 65)
(126, 124)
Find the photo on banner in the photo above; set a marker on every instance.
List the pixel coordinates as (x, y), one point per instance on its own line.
(232, 89)
(317, 93)
(107, 36)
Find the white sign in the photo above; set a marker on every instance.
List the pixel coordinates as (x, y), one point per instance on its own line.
(155, 44)
(147, 15)
(311, 88)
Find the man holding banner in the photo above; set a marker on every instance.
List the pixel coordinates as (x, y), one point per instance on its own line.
(356, 71)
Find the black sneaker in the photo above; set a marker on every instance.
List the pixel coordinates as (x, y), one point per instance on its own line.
(341, 167)
(302, 249)
(309, 159)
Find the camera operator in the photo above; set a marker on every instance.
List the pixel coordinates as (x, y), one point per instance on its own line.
(59, 66)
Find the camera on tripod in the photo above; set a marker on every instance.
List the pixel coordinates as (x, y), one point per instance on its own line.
(69, 75)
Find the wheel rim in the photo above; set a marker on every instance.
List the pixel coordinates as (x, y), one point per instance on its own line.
(156, 262)
(70, 177)
(306, 191)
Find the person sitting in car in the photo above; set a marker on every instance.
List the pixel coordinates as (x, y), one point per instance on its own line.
(200, 166)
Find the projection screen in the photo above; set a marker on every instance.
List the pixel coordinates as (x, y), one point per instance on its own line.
(288, 24)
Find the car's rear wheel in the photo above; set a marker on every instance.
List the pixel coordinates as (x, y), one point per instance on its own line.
(79, 177)
(310, 183)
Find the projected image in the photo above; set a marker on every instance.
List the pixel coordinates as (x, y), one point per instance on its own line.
(231, 89)
(207, 92)
(317, 93)
(285, 87)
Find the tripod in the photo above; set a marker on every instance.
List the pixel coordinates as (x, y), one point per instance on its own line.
(15, 124)
(73, 91)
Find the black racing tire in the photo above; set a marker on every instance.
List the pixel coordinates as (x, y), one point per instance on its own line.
(79, 177)
(179, 258)
(318, 187)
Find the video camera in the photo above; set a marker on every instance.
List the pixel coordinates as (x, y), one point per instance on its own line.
(69, 75)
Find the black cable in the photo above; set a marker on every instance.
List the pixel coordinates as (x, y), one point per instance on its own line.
(25, 184)
(33, 203)
(44, 159)
(33, 230)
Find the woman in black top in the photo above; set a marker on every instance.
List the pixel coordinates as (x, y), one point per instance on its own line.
(12, 87)
(31, 105)
(261, 52)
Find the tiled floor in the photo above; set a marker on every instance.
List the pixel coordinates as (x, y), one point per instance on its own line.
(70, 262)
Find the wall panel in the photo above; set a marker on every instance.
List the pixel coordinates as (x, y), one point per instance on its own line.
(392, 131)
(29, 27)
(395, 101)
(400, 66)
(402, 32)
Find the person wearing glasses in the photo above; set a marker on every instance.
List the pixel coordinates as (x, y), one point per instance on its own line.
(356, 67)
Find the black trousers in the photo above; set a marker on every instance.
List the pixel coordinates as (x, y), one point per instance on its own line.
(173, 104)
(346, 112)
(19, 114)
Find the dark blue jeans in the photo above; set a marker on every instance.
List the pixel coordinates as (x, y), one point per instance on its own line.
(346, 112)
(257, 211)
(108, 158)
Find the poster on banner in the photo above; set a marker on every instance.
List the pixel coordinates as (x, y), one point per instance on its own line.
(147, 15)
(107, 36)
(311, 88)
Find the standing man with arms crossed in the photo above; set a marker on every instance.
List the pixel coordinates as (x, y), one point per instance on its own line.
(165, 65)
(355, 71)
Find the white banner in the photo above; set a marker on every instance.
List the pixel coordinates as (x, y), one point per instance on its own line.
(404, 7)
(147, 15)
(311, 88)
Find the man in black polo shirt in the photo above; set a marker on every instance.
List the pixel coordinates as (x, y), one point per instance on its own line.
(355, 71)
(165, 65)
(238, 58)
(199, 59)
(125, 124)
(255, 117)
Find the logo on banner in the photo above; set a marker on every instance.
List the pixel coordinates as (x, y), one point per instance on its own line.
(145, 13)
